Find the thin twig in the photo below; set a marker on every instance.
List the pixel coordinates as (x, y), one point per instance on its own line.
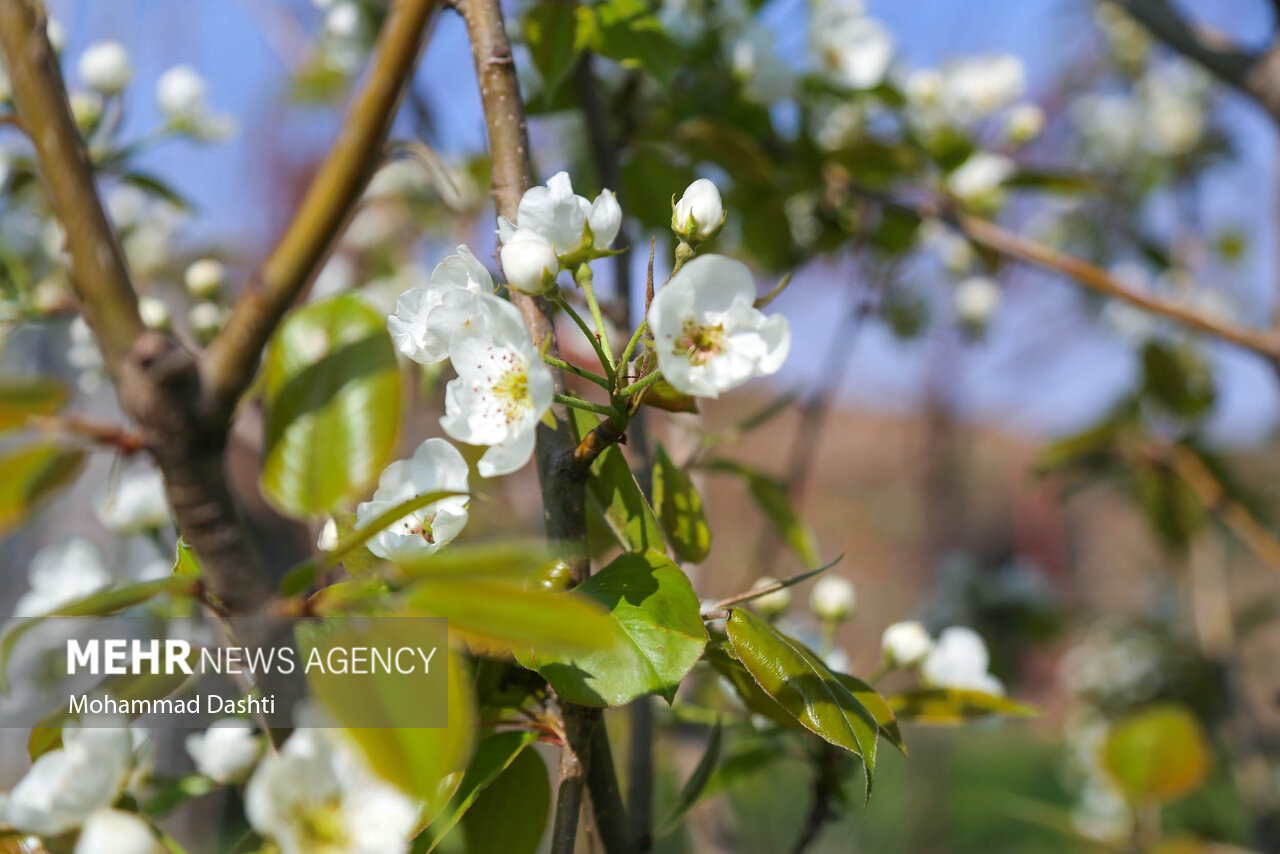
(232, 358)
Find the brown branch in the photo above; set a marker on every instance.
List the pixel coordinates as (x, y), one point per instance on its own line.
(1001, 240)
(563, 494)
(232, 359)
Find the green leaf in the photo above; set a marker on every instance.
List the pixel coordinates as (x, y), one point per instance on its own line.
(629, 32)
(21, 399)
(157, 187)
(493, 755)
(1157, 755)
(513, 559)
(680, 509)
(613, 492)
(1051, 182)
(1179, 378)
(97, 604)
(333, 405)
(30, 476)
(950, 706)
(417, 760)
(499, 613)
(802, 684)
(510, 815)
(1170, 504)
(697, 782)
(772, 499)
(659, 635)
(186, 563)
(551, 32)
(878, 706)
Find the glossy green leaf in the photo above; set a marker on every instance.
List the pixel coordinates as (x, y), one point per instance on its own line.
(613, 492)
(510, 815)
(628, 31)
(658, 630)
(772, 499)
(551, 33)
(493, 755)
(950, 706)
(801, 683)
(30, 476)
(697, 782)
(497, 612)
(97, 604)
(878, 706)
(418, 760)
(679, 509)
(21, 399)
(1157, 755)
(513, 559)
(333, 405)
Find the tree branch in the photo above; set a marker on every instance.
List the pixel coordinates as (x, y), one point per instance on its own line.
(233, 357)
(563, 494)
(1255, 74)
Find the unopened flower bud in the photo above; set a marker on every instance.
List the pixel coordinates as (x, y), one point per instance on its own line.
(204, 278)
(180, 94)
(529, 261)
(773, 604)
(906, 644)
(328, 539)
(86, 108)
(699, 214)
(205, 321)
(104, 66)
(977, 298)
(1024, 123)
(154, 313)
(833, 598)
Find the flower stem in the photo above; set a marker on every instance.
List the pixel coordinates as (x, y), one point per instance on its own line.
(586, 405)
(577, 372)
(583, 277)
(647, 380)
(605, 362)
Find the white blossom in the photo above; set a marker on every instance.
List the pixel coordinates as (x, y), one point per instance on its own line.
(976, 299)
(708, 334)
(66, 786)
(529, 261)
(180, 94)
(906, 644)
(854, 49)
(227, 751)
(104, 66)
(924, 87)
(319, 795)
(62, 572)
(699, 213)
(833, 598)
(773, 604)
(327, 539)
(428, 315)
(86, 108)
(110, 831)
(343, 20)
(137, 503)
(502, 388)
(959, 659)
(978, 180)
(204, 278)
(979, 86)
(436, 466)
(570, 223)
(205, 320)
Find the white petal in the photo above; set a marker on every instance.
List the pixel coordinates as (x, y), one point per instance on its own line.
(509, 456)
(605, 218)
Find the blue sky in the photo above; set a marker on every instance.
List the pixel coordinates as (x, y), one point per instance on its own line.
(1041, 370)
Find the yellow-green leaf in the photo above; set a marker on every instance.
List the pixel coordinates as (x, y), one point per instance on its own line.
(31, 475)
(1157, 755)
(679, 509)
(21, 399)
(951, 706)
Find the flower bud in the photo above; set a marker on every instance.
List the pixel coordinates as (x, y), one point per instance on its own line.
(57, 34)
(204, 278)
(1024, 123)
(977, 298)
(86, 109)
(205, 321)
(118, 832)
(906, 644)
(773, 604)
(327, 541)
(529, 261)
(180, 94)
(154, 313)
(104, 66)
(343, 20)
(699, 214)
(833, 598)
